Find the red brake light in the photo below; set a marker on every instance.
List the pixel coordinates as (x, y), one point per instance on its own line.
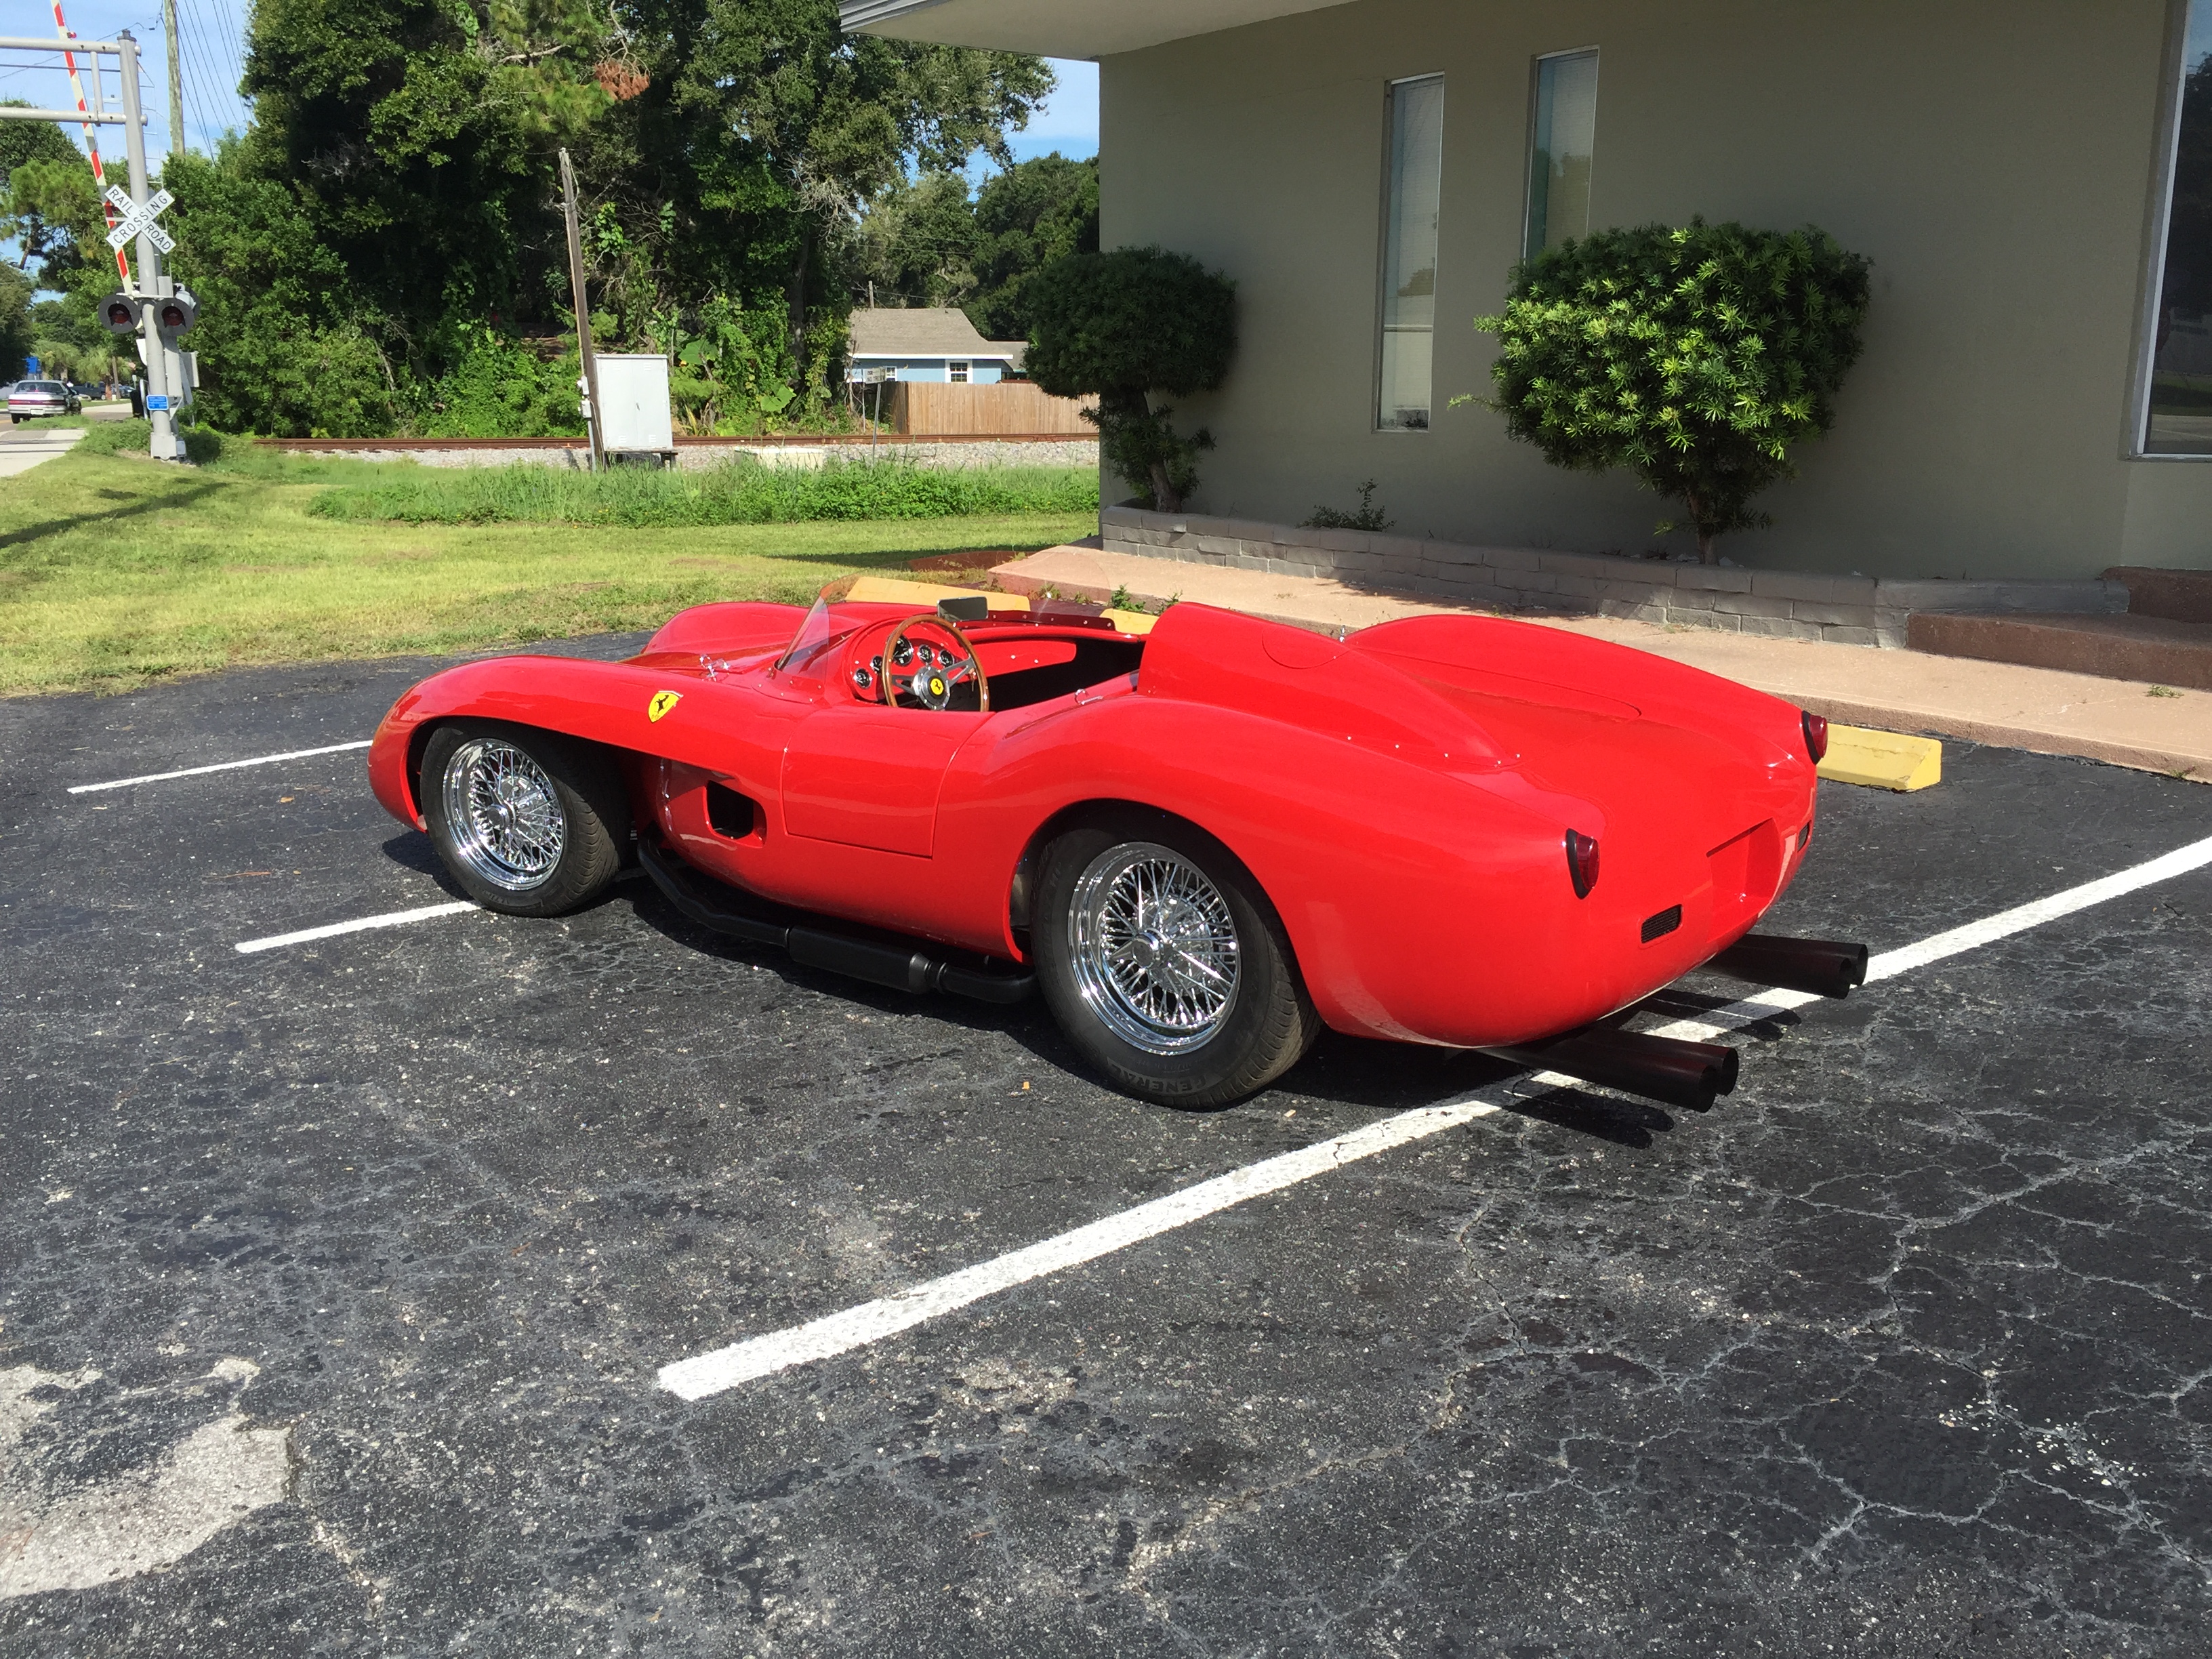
(1816, 736)
(1582, 863)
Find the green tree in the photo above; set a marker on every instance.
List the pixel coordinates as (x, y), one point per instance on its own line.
(1126, 325)
(279, 351)
(914, 244)
(1695, 356)
(1025, 217)
(768, 130)
(14, 322)
(417, 136)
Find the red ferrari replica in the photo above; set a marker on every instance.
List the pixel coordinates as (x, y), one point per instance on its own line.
(1203, 843)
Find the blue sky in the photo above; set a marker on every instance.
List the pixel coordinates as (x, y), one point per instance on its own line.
(1069, 124)
(211, 39)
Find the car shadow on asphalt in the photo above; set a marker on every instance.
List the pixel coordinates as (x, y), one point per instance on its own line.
(1397, 1077)
(1354, 1073)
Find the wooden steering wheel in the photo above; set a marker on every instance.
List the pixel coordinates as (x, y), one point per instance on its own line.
(934, 671)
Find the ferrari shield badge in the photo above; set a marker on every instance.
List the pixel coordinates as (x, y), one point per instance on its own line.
(661, 703)
(937, 686)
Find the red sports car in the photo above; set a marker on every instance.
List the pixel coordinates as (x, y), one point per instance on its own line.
(1203, 843)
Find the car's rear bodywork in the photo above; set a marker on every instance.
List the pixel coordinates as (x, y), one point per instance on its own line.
(1403, 796)
(30, 397)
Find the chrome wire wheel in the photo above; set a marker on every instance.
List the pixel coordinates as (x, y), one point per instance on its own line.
(1155, 949)
(506, 816)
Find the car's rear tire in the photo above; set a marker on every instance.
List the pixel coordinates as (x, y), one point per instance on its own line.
(1162, 960)
(529, 823)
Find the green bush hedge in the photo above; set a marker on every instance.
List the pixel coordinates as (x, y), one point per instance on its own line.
(739, 492)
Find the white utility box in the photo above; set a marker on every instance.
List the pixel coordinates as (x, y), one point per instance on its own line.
(634, 404)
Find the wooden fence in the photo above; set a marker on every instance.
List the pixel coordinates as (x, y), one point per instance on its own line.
(1011, 408)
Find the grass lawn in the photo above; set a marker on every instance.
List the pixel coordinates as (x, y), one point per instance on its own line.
(115, 570)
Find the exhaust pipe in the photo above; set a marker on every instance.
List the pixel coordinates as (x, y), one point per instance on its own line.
(889, 961)
(1825, 967)
(1664, 1069)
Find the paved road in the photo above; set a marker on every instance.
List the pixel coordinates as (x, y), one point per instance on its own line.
(336, 1279)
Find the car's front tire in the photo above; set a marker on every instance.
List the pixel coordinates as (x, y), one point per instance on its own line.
(1162, 960)
(529, 823)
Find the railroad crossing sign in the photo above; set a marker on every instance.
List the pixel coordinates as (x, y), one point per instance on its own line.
(136, 219)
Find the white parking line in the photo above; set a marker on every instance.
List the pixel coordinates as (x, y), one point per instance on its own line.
(359, 925)
(707, 1374)
(220, 766)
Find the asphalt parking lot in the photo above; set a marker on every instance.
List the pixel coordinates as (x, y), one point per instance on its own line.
(336, 1278)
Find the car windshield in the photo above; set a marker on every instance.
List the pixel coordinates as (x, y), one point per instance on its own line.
(804, 658)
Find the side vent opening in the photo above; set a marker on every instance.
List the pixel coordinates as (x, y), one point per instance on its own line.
(1664, 923)
(730, 813)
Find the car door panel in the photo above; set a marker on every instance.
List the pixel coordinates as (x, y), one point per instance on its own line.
(865, 776)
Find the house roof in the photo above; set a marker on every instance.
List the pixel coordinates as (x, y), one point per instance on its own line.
(1059, 28)
(924, 331)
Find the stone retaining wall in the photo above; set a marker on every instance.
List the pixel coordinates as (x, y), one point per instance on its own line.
(1780, 604)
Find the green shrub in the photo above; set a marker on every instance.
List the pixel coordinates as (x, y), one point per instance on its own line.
(740, 492)
(130, 437)
(1693, 356)
(499, 388)
(1125, 324)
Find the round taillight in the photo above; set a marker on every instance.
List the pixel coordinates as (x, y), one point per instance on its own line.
(1582, 862)
(1816, 736)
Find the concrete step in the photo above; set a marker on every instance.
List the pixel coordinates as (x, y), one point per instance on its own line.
(2150, 648)
(2177, 595)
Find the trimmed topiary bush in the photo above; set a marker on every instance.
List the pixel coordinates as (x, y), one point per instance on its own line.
(1126, 325)
(1693, 356)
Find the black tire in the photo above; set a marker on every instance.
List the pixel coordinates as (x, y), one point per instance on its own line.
(570, 793)
(1267, 1023)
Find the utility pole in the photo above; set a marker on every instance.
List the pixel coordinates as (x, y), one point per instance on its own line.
(176, 80)
(582, 302)
(152, 287)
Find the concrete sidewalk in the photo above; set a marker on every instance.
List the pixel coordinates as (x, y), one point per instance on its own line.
(2050, 712)
(25, 447)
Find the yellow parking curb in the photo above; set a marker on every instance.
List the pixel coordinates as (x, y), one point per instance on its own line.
(1881, 760)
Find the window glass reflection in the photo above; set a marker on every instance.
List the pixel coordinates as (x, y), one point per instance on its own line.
(1559, 156)
(1409, 252)
(2180, 420)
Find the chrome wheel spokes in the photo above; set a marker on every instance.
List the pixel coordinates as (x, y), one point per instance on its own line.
(1155, 948)
(507, 820)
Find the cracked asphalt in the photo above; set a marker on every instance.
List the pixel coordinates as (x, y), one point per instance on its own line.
(1903, 1349)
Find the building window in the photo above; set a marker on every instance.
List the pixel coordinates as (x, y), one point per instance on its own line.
(1564, 135)
(2179, 420)
(957, 372)
(1409, 252)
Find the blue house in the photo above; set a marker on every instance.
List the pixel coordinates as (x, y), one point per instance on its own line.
(930, 343)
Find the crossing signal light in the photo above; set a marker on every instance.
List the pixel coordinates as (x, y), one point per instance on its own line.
(176, 313)
(120, 315)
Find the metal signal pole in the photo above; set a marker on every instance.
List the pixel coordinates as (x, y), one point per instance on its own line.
(176, 80)
(153, 287)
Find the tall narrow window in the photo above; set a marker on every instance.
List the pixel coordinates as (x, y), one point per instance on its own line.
(1409, 252)
(2180, 414)
(1559, 150)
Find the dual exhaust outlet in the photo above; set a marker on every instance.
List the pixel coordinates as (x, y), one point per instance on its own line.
(1692, 1075)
